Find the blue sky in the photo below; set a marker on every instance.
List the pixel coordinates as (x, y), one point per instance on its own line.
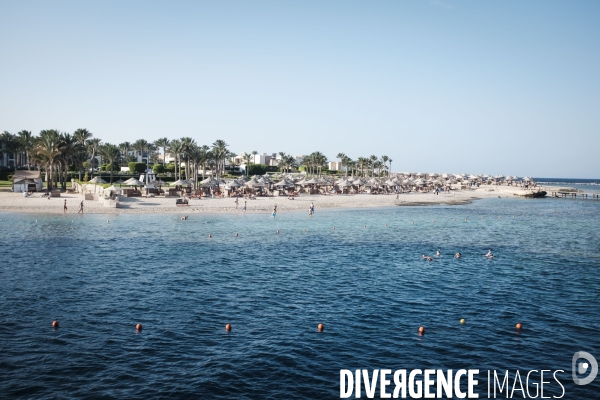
(507, 87)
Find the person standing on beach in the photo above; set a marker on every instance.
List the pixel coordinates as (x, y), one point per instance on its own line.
(80, 208)
(65, 207)
(236, 203)
(244, 209)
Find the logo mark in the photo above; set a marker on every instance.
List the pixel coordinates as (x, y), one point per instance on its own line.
(582, 367)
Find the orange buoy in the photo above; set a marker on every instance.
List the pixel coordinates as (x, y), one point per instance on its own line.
(55, 324)
(421, 330)
(138, 327)
(228, 328)
(519, 326)
(320, 327)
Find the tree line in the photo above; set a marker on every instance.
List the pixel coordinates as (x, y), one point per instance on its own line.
(55, 152)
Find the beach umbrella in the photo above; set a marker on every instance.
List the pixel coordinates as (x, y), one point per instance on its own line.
(284, 183)
(133, 182)
(97, 179)
(233, 183)
(254, 183)
(180, 182)
(345, 183)
(311, 182)
(360, 182)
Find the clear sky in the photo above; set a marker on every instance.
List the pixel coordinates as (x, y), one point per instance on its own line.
(510, 87)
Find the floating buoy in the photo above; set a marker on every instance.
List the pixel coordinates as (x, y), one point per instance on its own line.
(333, 229)
(107, 221)
(364, 226)
(432, 221)
(55, 324)
(413, 222)
(278, 231)
(421, 330)
(386, 225)
(320, 327)
(304, 229)
(138, 327)
(519, 326)
(228, 328)
(462, 321)
(236, 234)
(209, 235)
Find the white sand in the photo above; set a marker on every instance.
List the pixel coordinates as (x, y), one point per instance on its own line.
(15, 202)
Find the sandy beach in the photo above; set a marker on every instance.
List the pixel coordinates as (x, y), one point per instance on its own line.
(15, 202)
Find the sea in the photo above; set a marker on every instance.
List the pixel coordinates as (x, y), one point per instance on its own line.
(365, 280)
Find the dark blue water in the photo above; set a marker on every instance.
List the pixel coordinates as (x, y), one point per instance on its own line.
(368, 286)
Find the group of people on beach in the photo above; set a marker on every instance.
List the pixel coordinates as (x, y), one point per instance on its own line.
(78, 212)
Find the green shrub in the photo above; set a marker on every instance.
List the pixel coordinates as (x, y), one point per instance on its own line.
(158, 169)
(170, 168)
(137, 167)
(257, 169)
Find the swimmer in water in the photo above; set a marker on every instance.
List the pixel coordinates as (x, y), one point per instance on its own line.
(489, 254)
(457, 255)
(427, 258)
(437, 253)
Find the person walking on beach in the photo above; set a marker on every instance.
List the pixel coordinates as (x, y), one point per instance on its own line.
(244, 209)
(65, 207)
(80, 208)
(274, 210)
(236, 203)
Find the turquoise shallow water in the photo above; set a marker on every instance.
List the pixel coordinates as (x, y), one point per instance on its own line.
(100, 275)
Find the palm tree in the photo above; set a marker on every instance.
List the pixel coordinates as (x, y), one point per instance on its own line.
(342, 157)
(390, 161)
(140, 145)
(70, 150)
(384, 160)
(111, 153)
(48, 148)
(175, 149)
(248, 161)
(372, 162)
(219, 152)
(93, 145)
(26, 140)
(125, 147)
(162, 142)
(82, 136)
(362, 162)
(290, 162)
(11, 145)
(205, 156)
(187, 144)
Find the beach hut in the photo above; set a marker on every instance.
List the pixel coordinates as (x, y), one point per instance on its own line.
(27, 181)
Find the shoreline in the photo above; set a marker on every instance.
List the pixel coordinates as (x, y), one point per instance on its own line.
(14, 202)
